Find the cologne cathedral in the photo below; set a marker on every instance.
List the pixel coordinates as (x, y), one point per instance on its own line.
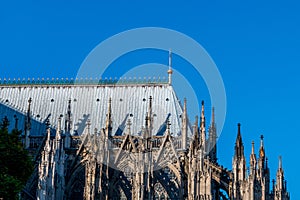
(108, 139)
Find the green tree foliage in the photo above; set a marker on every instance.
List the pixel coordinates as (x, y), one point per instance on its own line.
(15, 163)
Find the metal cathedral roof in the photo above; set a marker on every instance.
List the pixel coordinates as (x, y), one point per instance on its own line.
(90, 102)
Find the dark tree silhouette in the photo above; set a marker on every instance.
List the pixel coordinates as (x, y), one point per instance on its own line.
(15, 163)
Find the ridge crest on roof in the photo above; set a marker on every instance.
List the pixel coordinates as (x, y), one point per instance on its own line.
(83, 81)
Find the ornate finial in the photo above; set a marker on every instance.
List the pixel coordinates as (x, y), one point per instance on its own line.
(170, 71)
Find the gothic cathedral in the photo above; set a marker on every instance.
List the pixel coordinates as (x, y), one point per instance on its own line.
(108, 139)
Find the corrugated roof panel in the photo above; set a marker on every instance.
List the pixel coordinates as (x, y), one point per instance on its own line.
(91, 102)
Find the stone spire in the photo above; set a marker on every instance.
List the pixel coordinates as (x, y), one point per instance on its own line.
(262, 149)
(238, 165)
(280, 192)
(45, 169)
(239, 146)
(253, 161)
(280, 175)
(239, 156)
(184, 126)
(170, 71)
(261, 162)
(202, 128)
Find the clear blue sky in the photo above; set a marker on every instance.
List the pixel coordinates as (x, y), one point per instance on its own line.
(256, 46)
